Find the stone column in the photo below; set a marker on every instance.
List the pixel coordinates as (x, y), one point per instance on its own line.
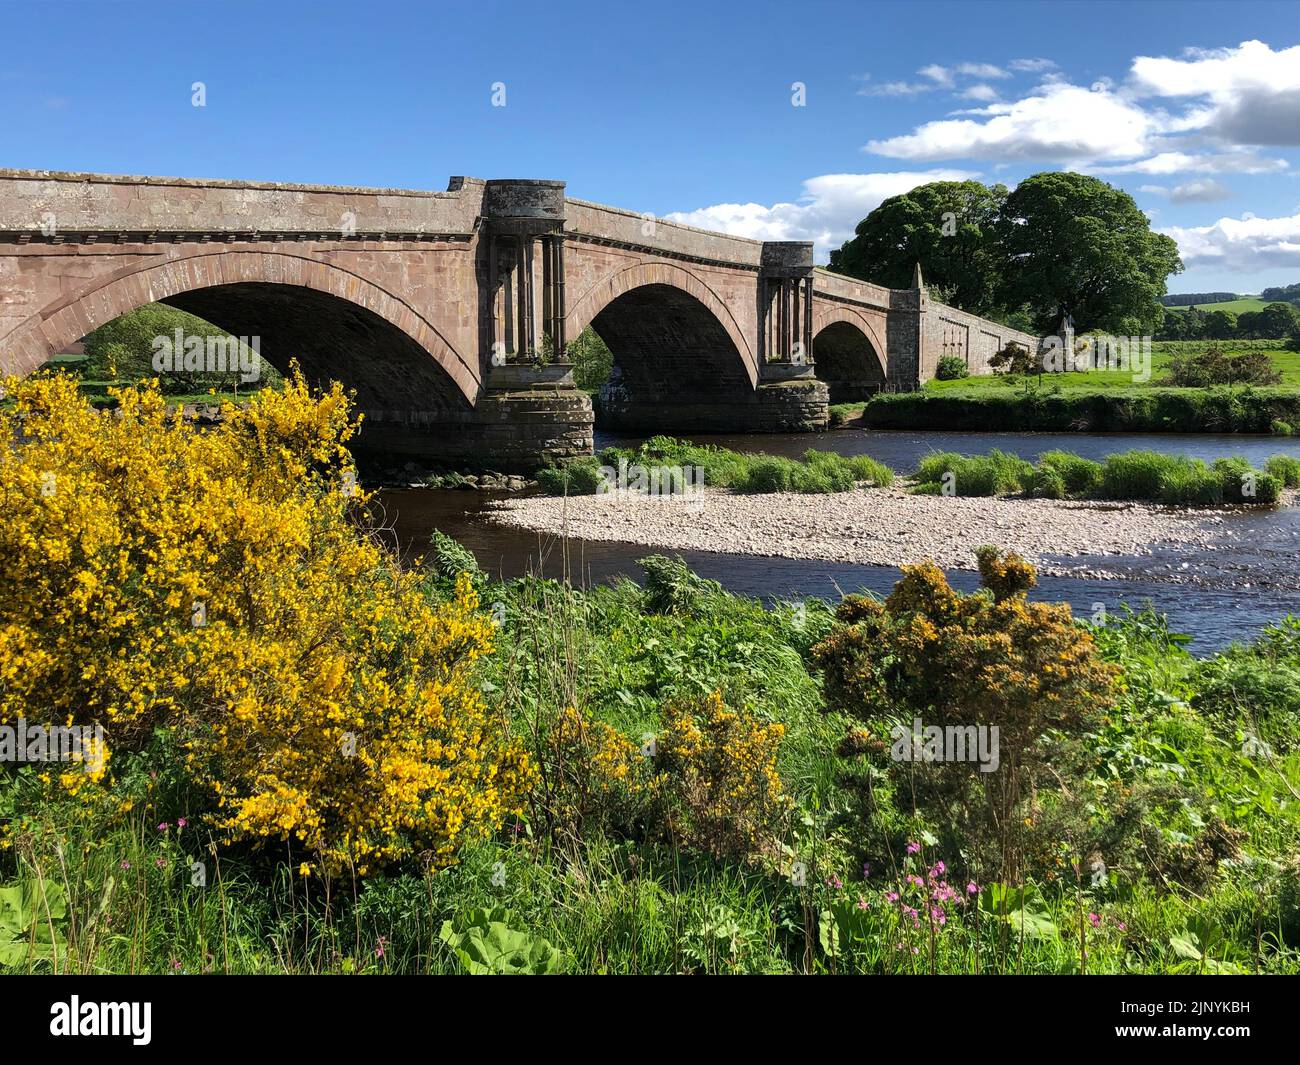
(785, 300)
(517, 215)
(789, 396)
(525, 415)
(808, 316)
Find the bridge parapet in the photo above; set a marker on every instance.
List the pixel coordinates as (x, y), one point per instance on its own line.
(851, 290)
(644, 232)
(58, 205)
(948, 331)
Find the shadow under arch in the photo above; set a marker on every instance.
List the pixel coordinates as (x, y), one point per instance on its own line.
(676, 364)
(338, 325)
(592, 303)
(845, 357)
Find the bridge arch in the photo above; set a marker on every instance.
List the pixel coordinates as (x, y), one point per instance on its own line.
(335, 322)
(660, 287)
(681, 360)
(849, 353)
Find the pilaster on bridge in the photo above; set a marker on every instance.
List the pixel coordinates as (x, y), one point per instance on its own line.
(523, 222)
(785, 300)
(450, 313)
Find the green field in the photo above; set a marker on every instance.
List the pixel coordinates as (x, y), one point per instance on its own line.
(1288, 362)
(97, 393)
(1109, 382)
(1097, 400)
(1247, 303)
(96, 389)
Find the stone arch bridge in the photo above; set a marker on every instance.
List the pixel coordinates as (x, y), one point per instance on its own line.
(437, 307)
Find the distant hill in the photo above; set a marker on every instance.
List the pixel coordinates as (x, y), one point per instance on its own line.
(1233, 301)
(1187, 299)
(1237, 305)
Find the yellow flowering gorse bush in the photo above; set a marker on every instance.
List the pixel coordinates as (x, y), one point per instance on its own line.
(707, 781)
(718, 775)
(214, 582)
(589, 775)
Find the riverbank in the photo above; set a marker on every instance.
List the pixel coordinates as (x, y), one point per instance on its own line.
(1268, 410)
(882, 526)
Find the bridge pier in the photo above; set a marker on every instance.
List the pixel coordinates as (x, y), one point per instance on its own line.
(524, 419)
(790, 397)
(792, 404)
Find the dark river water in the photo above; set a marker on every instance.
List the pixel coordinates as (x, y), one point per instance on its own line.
(1218, 596)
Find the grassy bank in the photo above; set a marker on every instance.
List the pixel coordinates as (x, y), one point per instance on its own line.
(1106, 401)
(1182, 860)
(1285, 360)
(662, 460)
(1146, 476)
(1149, 476)
(309, 756)
(996, 406)
(1110, 400)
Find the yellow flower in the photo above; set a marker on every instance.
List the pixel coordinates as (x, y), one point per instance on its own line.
(221, 583)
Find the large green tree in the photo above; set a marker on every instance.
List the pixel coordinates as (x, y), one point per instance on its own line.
(1274, 322)
(1220, 325)
(1073, 243)
(123, 349)
(947, 227)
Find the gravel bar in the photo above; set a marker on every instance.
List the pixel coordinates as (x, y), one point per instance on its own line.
(874, 526)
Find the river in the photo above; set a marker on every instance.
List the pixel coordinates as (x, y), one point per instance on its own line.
(1227, 595)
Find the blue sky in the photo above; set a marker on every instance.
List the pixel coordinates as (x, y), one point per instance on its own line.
(687, 109)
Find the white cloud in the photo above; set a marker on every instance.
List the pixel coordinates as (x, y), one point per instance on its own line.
(1206, 190)
(896, 88)
(828, 212)
(1244, 245)
(1061, 122)
(1205, 112)
(1252, 64)
(1031, 66)
(983, 70)
(939, 75)
(1253, 91)
(1235, 162)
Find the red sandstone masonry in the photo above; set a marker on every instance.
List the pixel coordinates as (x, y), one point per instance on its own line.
(413, 259)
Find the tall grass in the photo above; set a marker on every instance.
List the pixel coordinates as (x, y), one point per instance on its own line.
(995, 474)
(816, 472)
(1177, 479)
(1286, 468)
(1139, 475)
